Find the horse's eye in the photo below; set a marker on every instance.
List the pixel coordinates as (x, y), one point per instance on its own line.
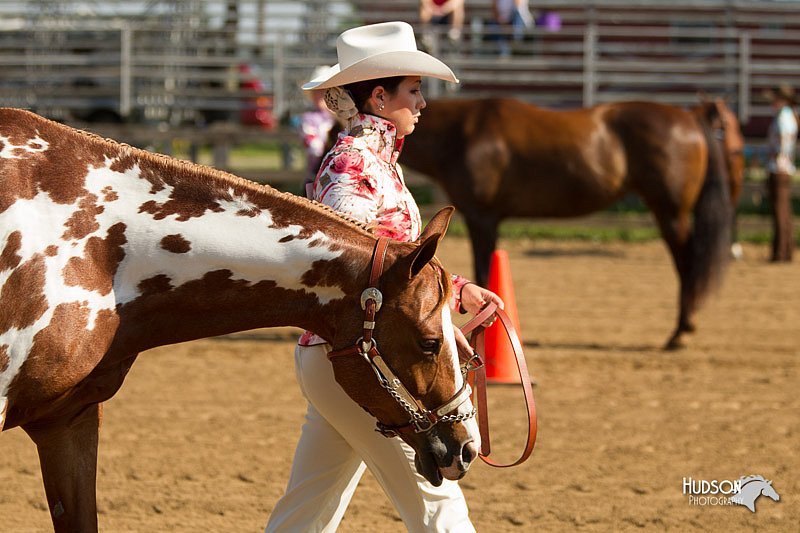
(430, 346)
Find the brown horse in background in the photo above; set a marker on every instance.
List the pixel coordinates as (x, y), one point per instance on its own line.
(498, 158)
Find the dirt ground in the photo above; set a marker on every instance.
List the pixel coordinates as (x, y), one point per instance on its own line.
(200, 438)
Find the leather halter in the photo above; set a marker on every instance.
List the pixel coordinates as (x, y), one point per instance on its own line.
(422, 419)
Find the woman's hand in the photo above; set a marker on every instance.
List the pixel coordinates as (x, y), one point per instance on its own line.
(475, 298)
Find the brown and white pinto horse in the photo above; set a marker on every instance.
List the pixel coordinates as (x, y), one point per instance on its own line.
(108, 251)
(498, 158)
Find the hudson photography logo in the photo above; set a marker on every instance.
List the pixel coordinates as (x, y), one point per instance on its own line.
(743, 491)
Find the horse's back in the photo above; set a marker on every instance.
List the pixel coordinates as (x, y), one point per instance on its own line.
(653, 126)
(665, 148)
(41, 156)
(15, 125)
(650, 119)
(525, 159)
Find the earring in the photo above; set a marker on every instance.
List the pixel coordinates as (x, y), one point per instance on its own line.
(380, 106)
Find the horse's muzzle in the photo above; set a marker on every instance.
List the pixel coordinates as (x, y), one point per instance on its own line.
(438, 463)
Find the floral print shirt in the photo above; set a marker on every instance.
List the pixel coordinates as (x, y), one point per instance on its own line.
(360, 176)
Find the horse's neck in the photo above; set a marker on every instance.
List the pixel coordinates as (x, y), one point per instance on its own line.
(257, 258)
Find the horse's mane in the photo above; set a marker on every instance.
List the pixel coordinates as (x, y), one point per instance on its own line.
(183, 166)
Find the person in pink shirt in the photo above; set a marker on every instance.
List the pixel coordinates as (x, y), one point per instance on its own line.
(376, 91)
(442, 13)
(314, 127)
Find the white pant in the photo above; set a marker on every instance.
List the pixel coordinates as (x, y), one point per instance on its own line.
(338, 438)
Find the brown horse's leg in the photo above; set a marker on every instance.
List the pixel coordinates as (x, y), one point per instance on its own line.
(68, 457)
(483, 233)
(698, 260)
(675, 229)
(698, 232)
(688, 306)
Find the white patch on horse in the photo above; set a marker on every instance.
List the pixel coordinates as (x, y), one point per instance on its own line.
(43, 229)
(221, 240)
(35, 145)
(450, 340)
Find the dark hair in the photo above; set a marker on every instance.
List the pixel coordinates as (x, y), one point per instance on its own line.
(360, 91)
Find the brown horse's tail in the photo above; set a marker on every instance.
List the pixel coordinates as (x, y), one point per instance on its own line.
(710, 241)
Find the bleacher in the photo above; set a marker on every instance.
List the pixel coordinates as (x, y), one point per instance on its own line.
(604, 51)
(617, 50)
(177, 60)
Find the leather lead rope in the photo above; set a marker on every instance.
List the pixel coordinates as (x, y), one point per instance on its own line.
(477, 345)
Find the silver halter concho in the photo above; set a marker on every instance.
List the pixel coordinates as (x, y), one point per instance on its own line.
(422, 419)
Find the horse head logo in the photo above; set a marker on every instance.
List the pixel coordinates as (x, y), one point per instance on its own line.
(751, 488)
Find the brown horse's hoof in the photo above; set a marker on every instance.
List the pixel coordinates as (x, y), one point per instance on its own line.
(675, 343)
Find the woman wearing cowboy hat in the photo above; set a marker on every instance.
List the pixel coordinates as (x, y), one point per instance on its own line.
(782, 138)
(375, 90)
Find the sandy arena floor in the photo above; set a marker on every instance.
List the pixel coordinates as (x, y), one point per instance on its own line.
(201, 436)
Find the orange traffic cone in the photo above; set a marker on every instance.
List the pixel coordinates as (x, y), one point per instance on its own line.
(501, 364)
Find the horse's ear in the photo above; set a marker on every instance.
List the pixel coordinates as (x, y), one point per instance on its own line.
(423, 254)
(438, 223)
(428, 241)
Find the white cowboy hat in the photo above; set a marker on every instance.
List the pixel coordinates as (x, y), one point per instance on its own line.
(379, 51)
(318, 72)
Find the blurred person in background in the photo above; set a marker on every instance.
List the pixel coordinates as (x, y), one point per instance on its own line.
(442, 13)
(512, 18)
(781, 140)
(314, 127)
